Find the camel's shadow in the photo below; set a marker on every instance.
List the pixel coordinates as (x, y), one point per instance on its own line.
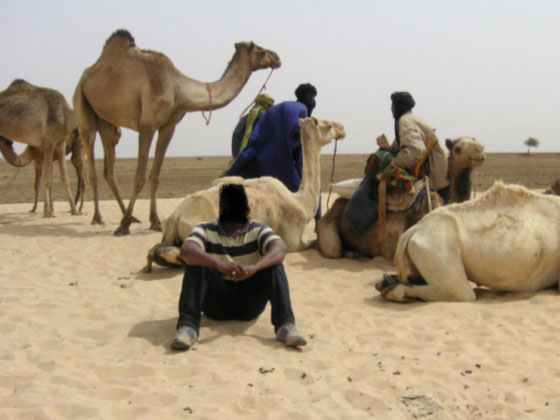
(484, 296)
(17, 226)
(314, 258)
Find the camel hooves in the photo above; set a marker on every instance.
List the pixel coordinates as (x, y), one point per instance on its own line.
(388, 283)
(122, 231)
(156, 227)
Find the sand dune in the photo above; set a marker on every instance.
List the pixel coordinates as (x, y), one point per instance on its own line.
(86, 335)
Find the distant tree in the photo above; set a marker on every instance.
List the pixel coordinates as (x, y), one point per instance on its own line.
(531, 142)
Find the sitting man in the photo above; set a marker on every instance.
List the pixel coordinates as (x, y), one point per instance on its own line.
(274, 147)
(400, 163)
(234, 267)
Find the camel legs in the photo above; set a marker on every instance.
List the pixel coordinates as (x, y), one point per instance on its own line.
(78, 160)
(110, 137)
(37, 184)
(88, 137)
(60, 151)
(46, 177)
(164, 137)
(438, 260)
(145, 137)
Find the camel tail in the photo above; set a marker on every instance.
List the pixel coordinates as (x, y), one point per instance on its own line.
(402, 261)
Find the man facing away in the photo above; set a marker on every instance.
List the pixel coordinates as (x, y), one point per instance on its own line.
(274, 147)
(233, 269)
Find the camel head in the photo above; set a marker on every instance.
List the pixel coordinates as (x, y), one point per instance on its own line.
(464, 153)
(260, 58)
(323, 130)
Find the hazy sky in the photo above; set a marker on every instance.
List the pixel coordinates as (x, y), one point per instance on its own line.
(483, 68)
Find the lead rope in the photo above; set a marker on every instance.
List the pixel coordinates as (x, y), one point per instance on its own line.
(10, 184)
(332, 173)
(260, 91)
(211, 104)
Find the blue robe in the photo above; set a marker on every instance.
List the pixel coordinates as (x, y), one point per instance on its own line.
(274, 148)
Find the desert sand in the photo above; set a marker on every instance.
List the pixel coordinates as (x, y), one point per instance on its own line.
(86, 334)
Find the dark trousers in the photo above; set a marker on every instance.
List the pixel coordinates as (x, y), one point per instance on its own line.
(205, 290)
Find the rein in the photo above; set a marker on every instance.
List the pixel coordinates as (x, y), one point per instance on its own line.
(211, 104)
(10, 184)
(260, 91)
(332, 172)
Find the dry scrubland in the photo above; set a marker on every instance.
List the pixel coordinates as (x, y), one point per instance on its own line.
(183, 175)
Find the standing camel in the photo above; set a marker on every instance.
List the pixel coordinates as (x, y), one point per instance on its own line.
(335, 233)
(143, 91)
(41, 118)
(73, 145)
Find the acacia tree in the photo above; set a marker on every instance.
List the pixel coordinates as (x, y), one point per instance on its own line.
(531, 142)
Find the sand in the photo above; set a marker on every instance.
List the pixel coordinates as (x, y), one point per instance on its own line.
(85, 334)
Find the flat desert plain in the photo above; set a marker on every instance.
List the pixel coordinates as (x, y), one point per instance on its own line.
(85, 333)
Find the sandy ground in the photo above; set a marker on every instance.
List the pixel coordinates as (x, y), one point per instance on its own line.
(85, 334)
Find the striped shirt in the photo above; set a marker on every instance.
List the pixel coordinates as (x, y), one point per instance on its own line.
(247, 248)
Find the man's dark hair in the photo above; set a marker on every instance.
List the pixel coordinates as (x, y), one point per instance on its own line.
(304, 89)
(301, 95)
(234, 205)
(402, 102)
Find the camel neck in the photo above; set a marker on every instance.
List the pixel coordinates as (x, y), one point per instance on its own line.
(308, 192)
(203, 96)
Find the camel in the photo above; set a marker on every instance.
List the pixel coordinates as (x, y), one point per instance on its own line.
(143, 91)
(271, 202)
(335, 234)
(78, 159)
(507, 239)
(40, 118)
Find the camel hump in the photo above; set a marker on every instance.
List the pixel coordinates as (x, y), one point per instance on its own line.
(121, 38)
(20, 84)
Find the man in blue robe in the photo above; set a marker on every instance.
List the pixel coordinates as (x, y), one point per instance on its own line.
(274, 147)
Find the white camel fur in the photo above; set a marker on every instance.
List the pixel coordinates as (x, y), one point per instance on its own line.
(142, 90)
(508, 239)
(271, 202)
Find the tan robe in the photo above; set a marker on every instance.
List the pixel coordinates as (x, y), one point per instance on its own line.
(414, 134)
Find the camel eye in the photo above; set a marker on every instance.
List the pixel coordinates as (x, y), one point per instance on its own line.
(457, 149)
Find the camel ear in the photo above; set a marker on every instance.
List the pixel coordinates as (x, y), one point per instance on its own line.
(449, 144)
(251, 46)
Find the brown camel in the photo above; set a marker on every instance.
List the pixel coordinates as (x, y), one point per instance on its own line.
(336, 235)
(41, 118)
(143, 91)
(74, 146)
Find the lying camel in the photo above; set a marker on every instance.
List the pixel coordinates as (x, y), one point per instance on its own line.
(336, 235)
(271, 202)
(508, 239)
(73, 145)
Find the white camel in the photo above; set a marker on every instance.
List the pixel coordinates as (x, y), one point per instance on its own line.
(508, 239)
(271, 202)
